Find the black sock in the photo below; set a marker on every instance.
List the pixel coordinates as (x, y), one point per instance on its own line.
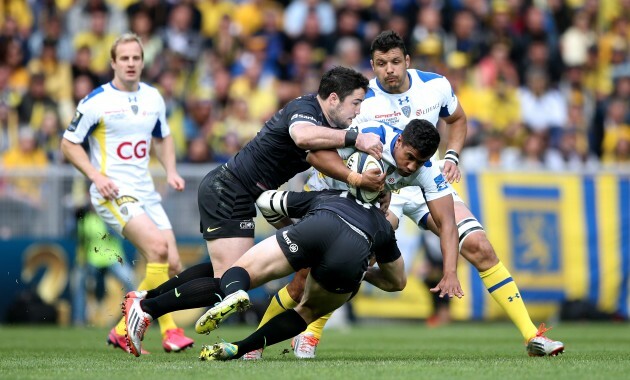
(283, 326)
(194, 272)
(234, 279)
(200, 292)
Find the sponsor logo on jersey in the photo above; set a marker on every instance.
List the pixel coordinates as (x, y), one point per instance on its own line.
(75, 121)
(403, 100)
(440, 182)
(427, 110)
(406, 110)
(247, 225)
(292, 246)
(125, 199)
(388, 115)
(304, 117)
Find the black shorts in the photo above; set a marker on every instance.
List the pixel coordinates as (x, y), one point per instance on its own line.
(226, 208)
(337, 255)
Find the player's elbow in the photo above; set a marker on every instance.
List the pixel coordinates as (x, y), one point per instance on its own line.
(302, 141)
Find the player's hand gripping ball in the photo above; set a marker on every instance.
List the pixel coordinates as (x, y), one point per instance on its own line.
(361, 162)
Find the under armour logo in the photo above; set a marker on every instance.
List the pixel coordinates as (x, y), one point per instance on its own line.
(133, 99)
(513, 298)
(401, 100)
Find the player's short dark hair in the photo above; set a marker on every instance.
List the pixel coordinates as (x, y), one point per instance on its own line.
(342, 81)
(422, 136)
(387, 41)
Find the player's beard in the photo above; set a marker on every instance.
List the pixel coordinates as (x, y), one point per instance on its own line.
(336, 118)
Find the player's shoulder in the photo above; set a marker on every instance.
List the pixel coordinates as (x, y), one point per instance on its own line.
(305, 107)
(94, 96)
(425, 76)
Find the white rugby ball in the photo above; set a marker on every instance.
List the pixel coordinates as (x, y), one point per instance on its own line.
(361, 162)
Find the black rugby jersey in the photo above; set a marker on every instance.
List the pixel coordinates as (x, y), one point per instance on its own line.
(272, 158)
(368, 218)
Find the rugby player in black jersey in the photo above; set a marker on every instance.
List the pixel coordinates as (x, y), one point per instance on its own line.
(227, 195)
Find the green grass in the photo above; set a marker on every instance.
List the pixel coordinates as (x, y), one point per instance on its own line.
(379, 351)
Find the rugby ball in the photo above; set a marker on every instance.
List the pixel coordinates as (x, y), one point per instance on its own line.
(361, 162)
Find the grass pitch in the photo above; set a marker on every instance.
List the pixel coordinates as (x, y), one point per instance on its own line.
(378, 351)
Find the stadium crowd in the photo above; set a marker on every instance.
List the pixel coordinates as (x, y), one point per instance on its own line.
(546, 84)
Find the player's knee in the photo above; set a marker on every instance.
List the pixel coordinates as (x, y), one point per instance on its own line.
(273, 205)
(296, 290)
(158, 250)
(479, 251)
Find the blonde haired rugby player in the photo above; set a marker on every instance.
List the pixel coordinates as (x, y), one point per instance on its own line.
(121, 119)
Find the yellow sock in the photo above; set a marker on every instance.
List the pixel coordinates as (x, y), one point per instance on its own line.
(316, 327)
(281, 302)
(503, 289)
(157, 274)
(121, 328)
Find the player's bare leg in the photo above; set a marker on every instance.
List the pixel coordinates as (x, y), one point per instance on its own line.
(225, 251)
(477, 249)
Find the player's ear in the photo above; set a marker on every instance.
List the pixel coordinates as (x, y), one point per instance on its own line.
(372, 64)
(334, 98)
(407, 61)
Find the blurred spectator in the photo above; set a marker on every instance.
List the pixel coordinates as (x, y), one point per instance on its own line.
(465, 36)
(179, 35)
(239, 123)
(198, 121)
(142, 25)
(570, 155)
(175, 112)
(538, 28)
(12, 55)
(198, 152)
(619, 157)
(615, 126)
(538, 56)
(497, 65)
(8, 94)
(543, 108)
(99, 40)
(52, 30)
(258, 89)
(321, 43)
(35, 102)
(79, 17)
(576, 40)
(225, 43)
(82, 86)
(348, 54)
(24, 158)
(275, 41)
(81, 66)
(428, 26)
(533, 153)
(48, 136)
(296, 13)
(249, 15)
(17, 12)
(8, 127)
(212, 11)
(500, 25)
(58, 74)
(158, 11)
(492, 154)
(501, 110)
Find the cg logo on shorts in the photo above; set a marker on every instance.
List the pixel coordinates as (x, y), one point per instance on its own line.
(247, 225)
(292, 246)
